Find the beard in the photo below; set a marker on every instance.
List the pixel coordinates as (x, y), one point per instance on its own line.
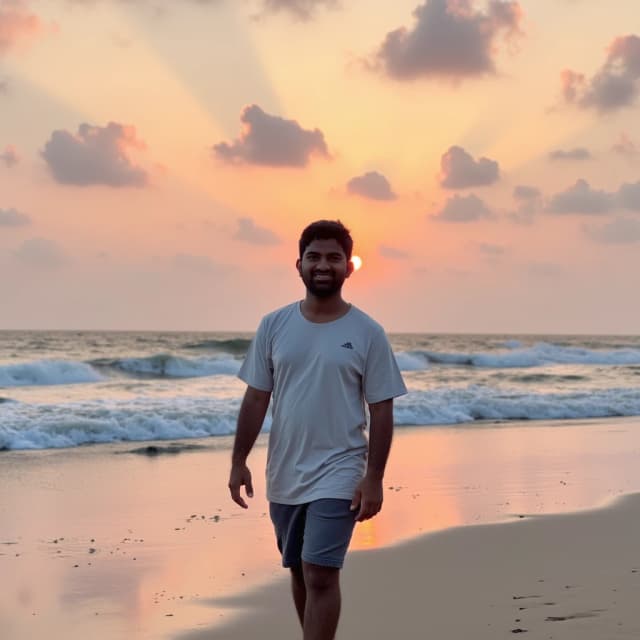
(324, 289)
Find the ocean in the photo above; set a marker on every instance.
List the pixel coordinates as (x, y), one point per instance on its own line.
(70, 388)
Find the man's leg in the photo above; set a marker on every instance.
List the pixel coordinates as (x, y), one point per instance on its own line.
(299, 591)
(322, 608)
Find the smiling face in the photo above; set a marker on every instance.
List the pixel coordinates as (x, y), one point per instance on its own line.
(324, 268)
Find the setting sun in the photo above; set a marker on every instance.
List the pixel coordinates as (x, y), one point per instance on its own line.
(357, 262)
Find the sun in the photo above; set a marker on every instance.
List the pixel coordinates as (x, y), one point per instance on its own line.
(357, 262)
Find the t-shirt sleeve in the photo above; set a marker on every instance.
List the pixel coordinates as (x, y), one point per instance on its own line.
(382, 379)
(257, 368)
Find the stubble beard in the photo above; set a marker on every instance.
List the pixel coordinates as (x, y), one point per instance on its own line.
(323, 291)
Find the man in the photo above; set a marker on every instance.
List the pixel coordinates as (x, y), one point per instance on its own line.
(322, 359)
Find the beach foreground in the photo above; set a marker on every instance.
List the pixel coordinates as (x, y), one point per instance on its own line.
(564, 576)
(125, 541)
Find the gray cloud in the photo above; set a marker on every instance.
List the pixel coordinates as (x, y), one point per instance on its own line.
(392, 253)
(302, 10)
(197, 264)
(526, 212)
(96, 155)
(449, 39)
(249, 231)
(618, 231)
(544, 269)
(372, 185)
(614, 86)
(13, 218)
(492, 250)
(529, 199)
(17, 24)
(271, 141)
(625, 146)
(581, 198)
(463, 209)
(458, 170)
(40, 253)
(525, 192)
(628, 196)
(579, 153)
(10, 156)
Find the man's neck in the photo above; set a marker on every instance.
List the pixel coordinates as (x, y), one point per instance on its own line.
(317, 309)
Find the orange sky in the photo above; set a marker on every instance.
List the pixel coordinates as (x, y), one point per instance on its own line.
(487, 190)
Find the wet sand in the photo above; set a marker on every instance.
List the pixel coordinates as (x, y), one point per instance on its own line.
(108, 542)
(572, 576)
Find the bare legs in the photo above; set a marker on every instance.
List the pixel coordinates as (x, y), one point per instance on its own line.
(316, 594)
(299, 591)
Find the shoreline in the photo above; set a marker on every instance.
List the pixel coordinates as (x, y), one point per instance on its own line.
(170, 549)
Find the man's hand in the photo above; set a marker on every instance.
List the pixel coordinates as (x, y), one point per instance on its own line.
(368, 497)
(240, 475)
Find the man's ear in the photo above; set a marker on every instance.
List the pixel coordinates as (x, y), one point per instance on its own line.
(350, 268)
(298, 269)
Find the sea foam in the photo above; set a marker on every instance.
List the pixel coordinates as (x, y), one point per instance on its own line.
(47, 372)
(540, 354)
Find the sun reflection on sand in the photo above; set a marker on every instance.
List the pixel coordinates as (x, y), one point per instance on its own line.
(157, 561)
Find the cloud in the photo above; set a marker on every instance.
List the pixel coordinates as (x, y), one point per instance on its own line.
(248, 231)
(40, 253)
(463, 209)
(492, 250)
(581, 198)
(618, 231)
(449, 39)
(392, 253)
(614, 86)
(529, 199)
(13, 218)
(526, 212)
(372, 185)
(458, 170)
(10, 156)
(18, 25)
(625, 146)
(302, 10)
(579, 153)
(197, 264)
(628, 196)
(544, 269)
(271, 141)
(525, 192)
(95, 155)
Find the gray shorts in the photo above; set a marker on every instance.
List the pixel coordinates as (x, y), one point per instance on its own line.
(318, 532)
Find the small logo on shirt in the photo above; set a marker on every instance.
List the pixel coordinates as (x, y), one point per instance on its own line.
(347, 345)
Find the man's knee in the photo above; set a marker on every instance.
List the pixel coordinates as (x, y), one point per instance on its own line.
(297, 574)
(319, 578)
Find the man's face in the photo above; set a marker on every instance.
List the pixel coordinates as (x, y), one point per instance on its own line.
(324, 268)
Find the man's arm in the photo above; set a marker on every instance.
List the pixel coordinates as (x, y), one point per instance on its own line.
(368, 495)
(252, 412)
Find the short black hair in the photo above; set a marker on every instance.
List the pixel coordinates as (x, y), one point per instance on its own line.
(327, 230)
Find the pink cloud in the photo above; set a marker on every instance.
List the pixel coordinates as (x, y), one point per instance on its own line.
(614, 86)
(10, 156)
(18, 25)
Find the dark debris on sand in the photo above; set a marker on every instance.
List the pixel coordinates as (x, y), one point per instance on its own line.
(153, 450)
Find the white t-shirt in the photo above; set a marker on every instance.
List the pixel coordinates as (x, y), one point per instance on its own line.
(321, 374)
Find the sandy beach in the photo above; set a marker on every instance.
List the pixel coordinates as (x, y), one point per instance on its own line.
(564, 576)
(121, 541)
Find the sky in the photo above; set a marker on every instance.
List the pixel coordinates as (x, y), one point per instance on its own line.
(159, 159)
